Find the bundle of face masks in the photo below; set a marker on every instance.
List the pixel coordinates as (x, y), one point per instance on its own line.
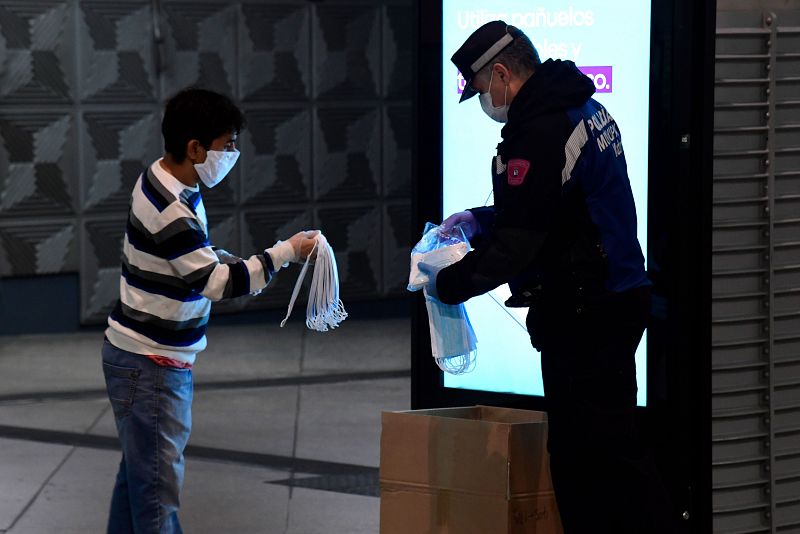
(453, 341)
(325, 310)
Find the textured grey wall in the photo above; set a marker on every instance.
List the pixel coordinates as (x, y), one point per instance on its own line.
(326, 89)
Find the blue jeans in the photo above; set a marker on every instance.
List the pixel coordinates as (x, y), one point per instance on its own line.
(153, 412)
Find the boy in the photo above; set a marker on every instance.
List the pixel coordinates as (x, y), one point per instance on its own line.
(170, 275)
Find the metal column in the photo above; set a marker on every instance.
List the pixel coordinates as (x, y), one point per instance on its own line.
(756, 275)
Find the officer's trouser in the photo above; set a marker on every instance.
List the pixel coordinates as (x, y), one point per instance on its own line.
(604, 478)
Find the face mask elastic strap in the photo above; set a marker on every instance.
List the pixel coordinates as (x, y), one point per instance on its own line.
(325, 310)
(298, 285)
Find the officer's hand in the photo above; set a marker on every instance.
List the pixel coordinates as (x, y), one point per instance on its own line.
(433, 272)
(467, 220)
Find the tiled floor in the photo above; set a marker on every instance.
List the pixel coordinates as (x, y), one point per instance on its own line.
(285, 435)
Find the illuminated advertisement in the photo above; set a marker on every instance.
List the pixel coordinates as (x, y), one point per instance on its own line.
(610, 43)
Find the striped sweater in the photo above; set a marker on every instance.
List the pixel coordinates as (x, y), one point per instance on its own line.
(170, 272)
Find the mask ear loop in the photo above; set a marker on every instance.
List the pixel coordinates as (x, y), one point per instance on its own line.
(299, 284)
(505, 94)
(325, 310)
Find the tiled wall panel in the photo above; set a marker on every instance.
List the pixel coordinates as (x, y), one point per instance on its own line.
(326, 89)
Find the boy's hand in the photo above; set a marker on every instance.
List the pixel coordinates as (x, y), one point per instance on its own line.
(303, 244)
(295, 250)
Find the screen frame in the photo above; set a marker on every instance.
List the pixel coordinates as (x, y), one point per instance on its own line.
(679, 181)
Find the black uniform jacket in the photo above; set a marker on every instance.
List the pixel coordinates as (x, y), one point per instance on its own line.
(533, 232)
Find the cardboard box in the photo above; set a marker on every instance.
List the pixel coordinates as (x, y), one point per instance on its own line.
(474, 470)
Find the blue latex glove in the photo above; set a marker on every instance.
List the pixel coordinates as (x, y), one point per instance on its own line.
(466, 219)
(433, 272)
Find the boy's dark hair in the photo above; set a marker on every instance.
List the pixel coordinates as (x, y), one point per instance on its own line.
(197, 114)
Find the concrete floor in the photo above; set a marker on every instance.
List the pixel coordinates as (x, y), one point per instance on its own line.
(285, 436)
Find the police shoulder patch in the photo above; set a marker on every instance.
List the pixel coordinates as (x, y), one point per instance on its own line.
(517, 169)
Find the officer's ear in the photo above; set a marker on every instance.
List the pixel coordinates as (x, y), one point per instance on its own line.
(502, 73)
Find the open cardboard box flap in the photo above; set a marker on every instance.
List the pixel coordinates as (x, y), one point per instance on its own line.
(479, 449)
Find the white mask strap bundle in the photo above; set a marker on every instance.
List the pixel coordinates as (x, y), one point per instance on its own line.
(325, 310)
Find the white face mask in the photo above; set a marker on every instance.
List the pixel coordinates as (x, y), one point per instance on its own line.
(216, 166)
(500, 113)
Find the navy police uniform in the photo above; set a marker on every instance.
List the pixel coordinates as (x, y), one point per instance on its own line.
(562, 234)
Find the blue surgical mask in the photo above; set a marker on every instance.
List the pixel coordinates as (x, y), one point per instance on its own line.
(453, 341)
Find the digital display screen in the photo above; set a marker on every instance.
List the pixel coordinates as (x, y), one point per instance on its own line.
(610, 43)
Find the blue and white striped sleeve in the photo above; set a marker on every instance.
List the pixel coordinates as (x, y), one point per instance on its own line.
(193, 259)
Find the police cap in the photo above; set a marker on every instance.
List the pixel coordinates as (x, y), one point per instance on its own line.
(478, 50)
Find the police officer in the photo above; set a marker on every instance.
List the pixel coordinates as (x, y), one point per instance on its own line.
(562, 234)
